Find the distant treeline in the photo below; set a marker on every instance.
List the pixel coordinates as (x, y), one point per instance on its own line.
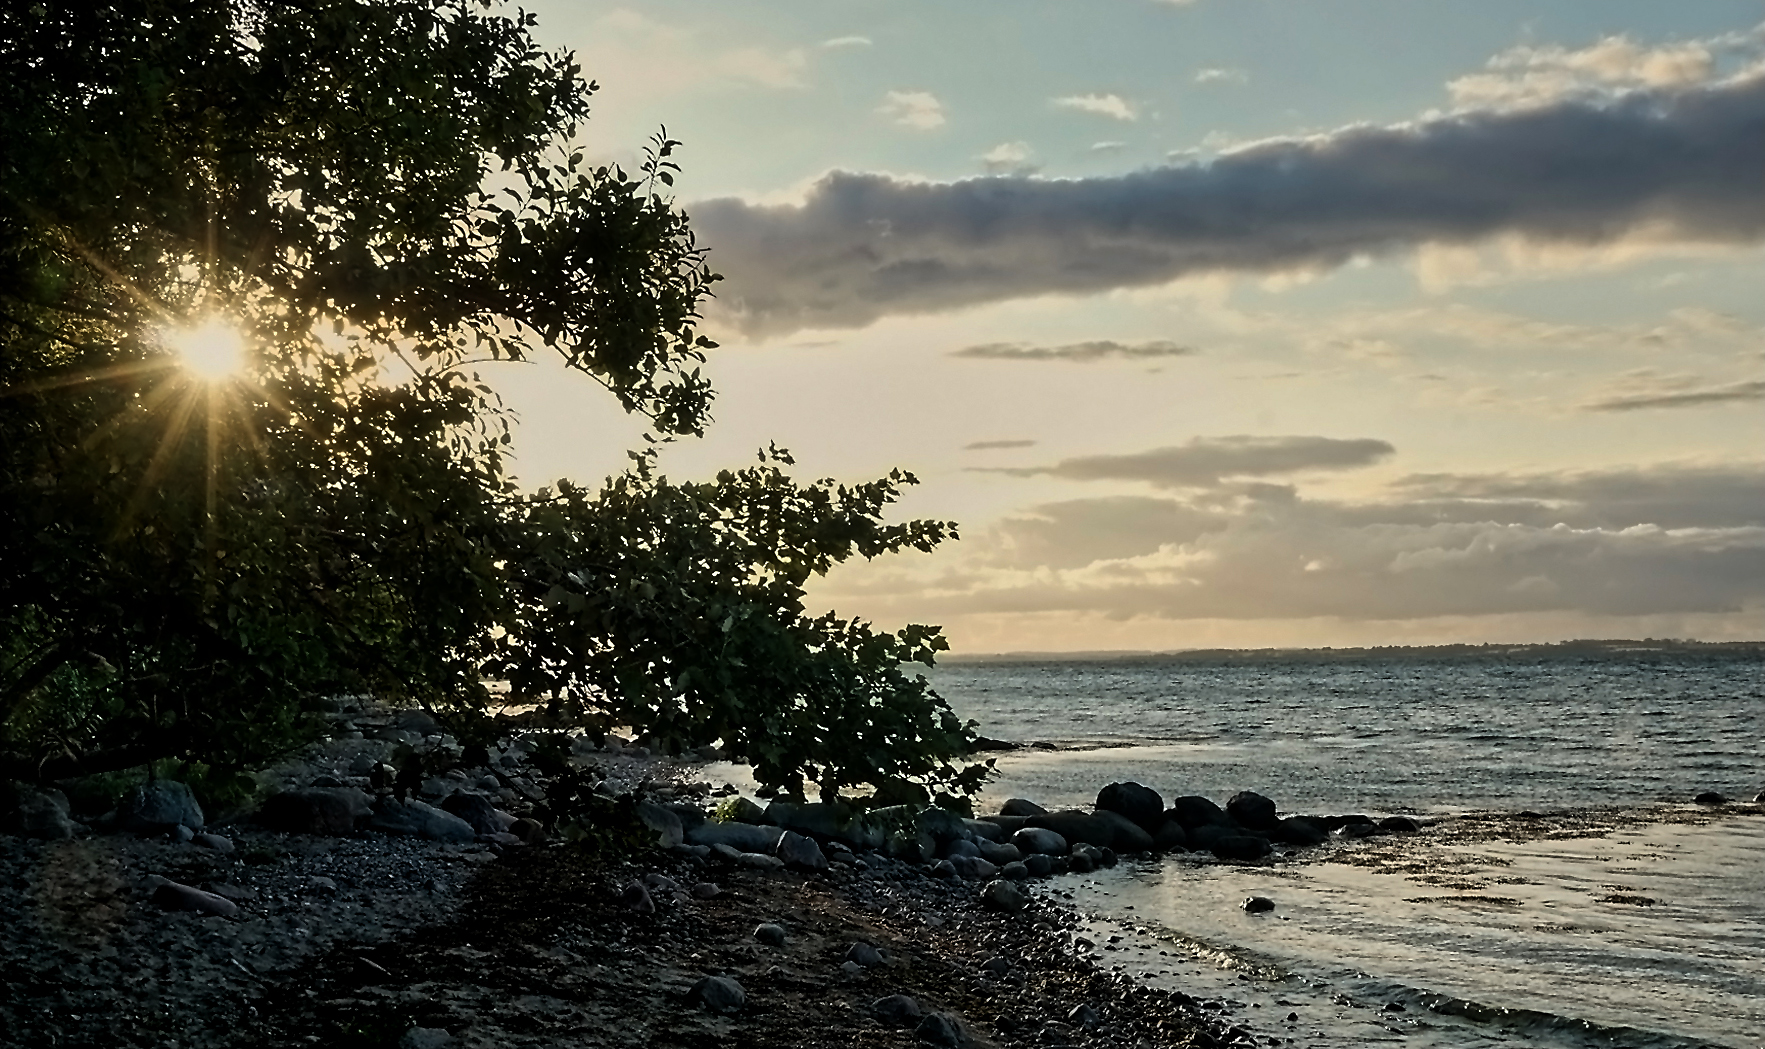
(1580, 649)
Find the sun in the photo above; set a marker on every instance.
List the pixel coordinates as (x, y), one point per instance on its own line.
(214, 350)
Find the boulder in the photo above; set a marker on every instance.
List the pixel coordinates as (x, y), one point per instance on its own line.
(1083, 859)
(1367, 829)
(911, 846)
(974, 868)
(1038, 865)
(419, 820)
(744, 837)
(426, 1038)
(1021, 807)
(938, 1029)
(1170, 836)
(173, 896)
(1257, 904)
(636, 897)
(961, 847)
(1202, 836)
(1004, 895)
(1240, 847)
(1300, 831)
(800, 853)
(1137, 802)
(771, 934)
(1193, 811)
(719, 994)
(216, 842)
(1252, 811)
(316, 810)
(1017, 871)
(1008, 825)
(662, 822)
(942, 824)
(36, 813)
(1039, 840)
(984, 830)
(690, 815)
(1710, 797)
(477, 810)
(864, 954)
(1129, 836)
(740, 810)
(897, 1010)
(1400, 825)
(528, 830)
(157, 807)
(1000, 854)
(1077, 827)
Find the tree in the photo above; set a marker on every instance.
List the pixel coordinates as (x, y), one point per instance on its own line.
(373, 199)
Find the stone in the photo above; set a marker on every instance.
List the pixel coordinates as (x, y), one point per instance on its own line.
(322, 884)
(1302, 831)
(943, 825)
(852, 968)
(426, 1038)
(974, 868)
(1081, 860)
(1008, 825)
(1077, 827)
(996, 853)
(1021, 807)
(217, 842)
(800, 853)
(1129, 836)
(896, 1010)
(662, 822)
(1038, 865)
(996, 965)
(690, 815)
(961, 847)
(38, 814)
(1367, 829)
(1194, 811)
(984, 830)
(1710, 797)
(362, 764)
(706, 890)
(1016, 871)
(938, 1029)
(1400, 825)
(636, 897)
(1084, 1014)
(419, 721)
(157, 807)
(1039, 840)
(661, 881)
(944, 869)
(1257, 904)
(864, 954)
(1240, 847)
(832, 821)
(419, 820)
(1203, 836)
(181, 834)
(1170, 835)
(719, 994)
(743, 837)
(770, 933)
(740, 810)
(1137, 802)
(759, 861)
(332, 811)
(476, 810)
(174, 896)
(528, 830)
(1004, 895)
(1252, 811)
(911, 846)
(327, 781)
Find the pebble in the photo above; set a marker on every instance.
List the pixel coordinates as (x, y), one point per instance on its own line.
(323, 884)
(636, 897)
(425, 1038)
(1257, 904)
(174, 896)
(706, 890)
(720, 994)
(864, 954)
(217, 842)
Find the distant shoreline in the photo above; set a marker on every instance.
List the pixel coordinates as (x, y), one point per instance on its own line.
(1579, 649)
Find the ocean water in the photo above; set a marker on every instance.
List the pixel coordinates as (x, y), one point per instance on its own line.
(1566, 893)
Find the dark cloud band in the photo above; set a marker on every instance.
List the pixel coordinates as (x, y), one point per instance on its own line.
(1094, 350)
(1207, 461)
(1682, 163)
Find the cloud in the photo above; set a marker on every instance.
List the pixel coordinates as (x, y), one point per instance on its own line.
(982, 446)
(1111, 146)
(1221, 76)
(1094, 350)
(1113, 106)
(1525, 76)
(1008, 158)
(919, 110)
(1731, 393)
(1674, 164)
(846, 41)
(1208, 461)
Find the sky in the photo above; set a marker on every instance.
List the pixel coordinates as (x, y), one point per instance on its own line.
(1224, 323)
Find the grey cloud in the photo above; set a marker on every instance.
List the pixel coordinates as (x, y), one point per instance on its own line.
(1078, 532)
(1673, 496)
(1728, 394)
(1679, 162)
(1094, 350)
(981, 446)
(1208, 461)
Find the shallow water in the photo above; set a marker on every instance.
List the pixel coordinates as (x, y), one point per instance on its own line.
(1466, 936)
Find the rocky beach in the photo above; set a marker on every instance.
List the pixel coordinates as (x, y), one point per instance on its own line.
(390, 887)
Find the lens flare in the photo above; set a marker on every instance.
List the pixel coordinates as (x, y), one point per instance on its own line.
(213, 350)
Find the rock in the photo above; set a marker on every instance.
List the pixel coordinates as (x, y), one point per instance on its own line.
(327, 781)
(944, 869)
(943, 825)
(740, 810)
(1257, 904)
(690, 815)
(706, 890)
(1000, 854)
(36, 813)
(1015, 871)
(1129, 836)
(1203, 836)
(938, 1029)
(426, 1038)
(759, 861)
(1039, 840)
(1301, 831)
(636, 897)
(1083, 1015)
(770, 933)
(1082, 860)
(664, 823)
(961, 847)
(528, 830)
(157, 807)
(984, 830)
(1170, 835)
(1021, 807)
(661, 881)
(1359, 830)
(974, 868)
(864, 954)
(832, 821)
(800, 853)
(1240, 847)
(181, 834)
(1008, 825)
(719, 994)
(322, 884)
(897, 1010)
(911, 846)
(1004, 895)
(1038, 865)
(173, 896)
(1137, 802)
(996, 966)
(852, 968)
(1710, 797)
(217, 842)
(330, 811)
(1400, 825)
(419, 820)
(1193, 811)
(743, 837)
(477, 811)
(1252, 811)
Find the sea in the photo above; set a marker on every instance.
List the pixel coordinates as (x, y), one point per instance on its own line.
(1565, 891)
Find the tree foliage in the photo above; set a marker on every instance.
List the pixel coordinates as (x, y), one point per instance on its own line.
(381, 197)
